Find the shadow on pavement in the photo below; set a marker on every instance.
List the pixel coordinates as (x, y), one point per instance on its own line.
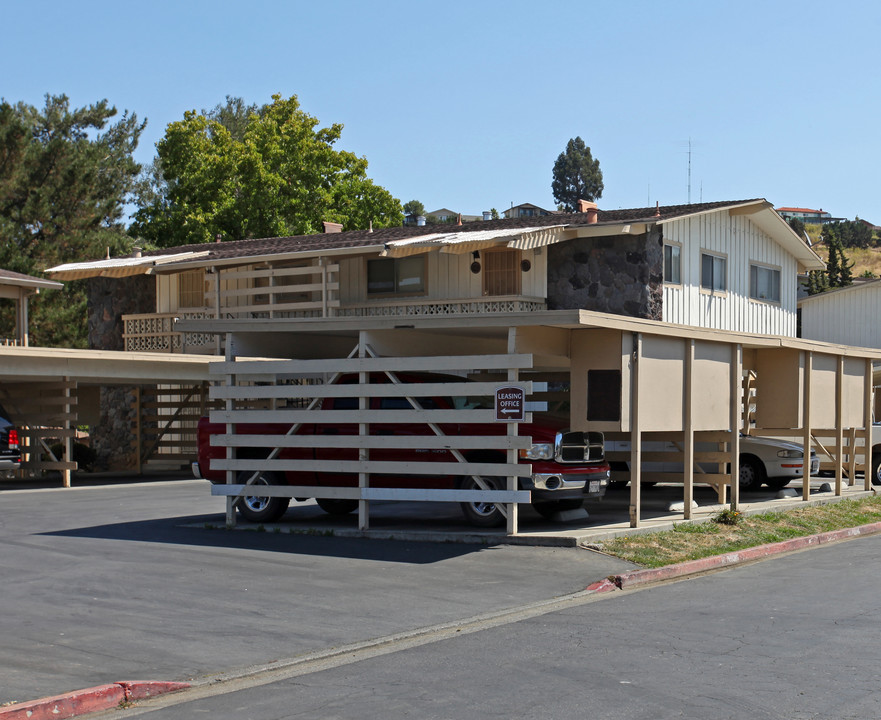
(186, 530)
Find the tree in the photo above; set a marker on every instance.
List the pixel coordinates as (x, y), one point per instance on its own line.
(414, 207)
(283, 177)
(577, 176)
(493, 214)
(838, 269)
(850, 233)
(818, 282)
(797, 226)
(65, 177)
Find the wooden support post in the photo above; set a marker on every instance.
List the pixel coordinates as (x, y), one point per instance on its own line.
(688, 426)
(867, 426)
(230, 429)
(363, 430)
(635, 434)
(806, 426)
(839, 426)
(68, 439)
(138, 429)
(736, 393)
(512, 430)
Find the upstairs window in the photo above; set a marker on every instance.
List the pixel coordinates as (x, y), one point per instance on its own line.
(672, 264)
(396, 276)
(764, 283)
(191, 289)
(714, 271)
(501, 272)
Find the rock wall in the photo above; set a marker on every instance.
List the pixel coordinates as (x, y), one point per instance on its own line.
(109, 300)
(621, 275)
(114, 438)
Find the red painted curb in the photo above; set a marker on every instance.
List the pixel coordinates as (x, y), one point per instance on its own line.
(691, 567)
(89, 700)
(601, 586)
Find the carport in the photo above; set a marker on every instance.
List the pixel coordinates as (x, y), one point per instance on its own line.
(635, 380)
(49, 391)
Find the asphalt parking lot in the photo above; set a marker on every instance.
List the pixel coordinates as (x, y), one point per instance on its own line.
(137, 579)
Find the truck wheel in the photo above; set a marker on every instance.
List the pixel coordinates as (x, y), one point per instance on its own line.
(262, 509)
(876, 468)
(547, 508)
(482, 514)
(337, 507)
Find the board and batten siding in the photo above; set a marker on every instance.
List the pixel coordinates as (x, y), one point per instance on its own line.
(848, 317)
(737, 239)
(448, 277)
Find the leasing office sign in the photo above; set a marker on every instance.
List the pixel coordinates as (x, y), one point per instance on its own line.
(510, 403)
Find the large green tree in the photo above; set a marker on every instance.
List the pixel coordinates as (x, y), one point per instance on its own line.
(577, 176)
(282, 176)
(65, 177)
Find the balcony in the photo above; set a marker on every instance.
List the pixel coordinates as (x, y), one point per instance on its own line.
(154, 332)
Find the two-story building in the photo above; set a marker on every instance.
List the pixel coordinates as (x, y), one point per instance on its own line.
(724, 265)
(643, 320)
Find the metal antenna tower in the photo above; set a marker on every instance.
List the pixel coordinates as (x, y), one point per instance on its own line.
(689, 171)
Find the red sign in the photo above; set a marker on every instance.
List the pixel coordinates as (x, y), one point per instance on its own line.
(510, 404)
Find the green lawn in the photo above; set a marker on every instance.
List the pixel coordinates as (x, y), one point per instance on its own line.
(730, 531)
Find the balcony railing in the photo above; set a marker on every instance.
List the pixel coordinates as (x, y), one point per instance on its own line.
(155, 332)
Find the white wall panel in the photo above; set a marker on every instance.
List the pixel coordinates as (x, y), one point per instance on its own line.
(849, 317)
(741, 243)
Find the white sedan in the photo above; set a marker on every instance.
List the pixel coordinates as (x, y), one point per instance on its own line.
(772, 462)
(763, 460)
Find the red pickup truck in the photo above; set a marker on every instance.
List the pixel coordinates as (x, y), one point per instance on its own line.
(567, 467)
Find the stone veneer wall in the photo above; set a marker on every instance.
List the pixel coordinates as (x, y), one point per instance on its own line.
(114, 438)
(622, 275)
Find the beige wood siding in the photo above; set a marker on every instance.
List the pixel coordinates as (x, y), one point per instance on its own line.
(741, 243)
(448, 277)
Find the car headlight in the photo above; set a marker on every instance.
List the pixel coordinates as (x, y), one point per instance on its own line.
(539, 451)
(790, 453)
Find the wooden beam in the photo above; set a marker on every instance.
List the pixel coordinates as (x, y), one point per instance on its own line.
(806, 426)
(635, 435)
(688, 425)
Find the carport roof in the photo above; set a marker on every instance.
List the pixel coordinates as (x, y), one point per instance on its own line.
(101, 367)
(486, 325)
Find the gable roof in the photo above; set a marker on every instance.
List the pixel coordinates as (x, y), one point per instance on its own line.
(381, 240)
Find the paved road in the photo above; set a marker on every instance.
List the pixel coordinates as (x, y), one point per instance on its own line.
(125, 581)
(796, 637)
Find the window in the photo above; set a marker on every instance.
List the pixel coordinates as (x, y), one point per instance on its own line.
(191, 289)
(672, 263)
(396, 276)
(764, 283)
(501, 272)
(604, 395)
(713, 271)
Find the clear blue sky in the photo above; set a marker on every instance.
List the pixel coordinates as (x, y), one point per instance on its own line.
(466, 105)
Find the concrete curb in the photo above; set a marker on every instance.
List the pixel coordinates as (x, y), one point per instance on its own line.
(635, 578)
(89, 700)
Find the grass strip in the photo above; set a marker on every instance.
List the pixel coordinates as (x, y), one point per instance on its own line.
(728, 532)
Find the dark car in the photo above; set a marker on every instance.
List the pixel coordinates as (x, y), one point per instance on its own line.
(10, 455)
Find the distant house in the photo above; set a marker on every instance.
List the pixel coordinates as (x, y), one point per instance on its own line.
(527, 210)
(807, 215)
(445, 215)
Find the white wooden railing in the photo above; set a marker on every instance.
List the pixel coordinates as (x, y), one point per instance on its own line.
(154, 332)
